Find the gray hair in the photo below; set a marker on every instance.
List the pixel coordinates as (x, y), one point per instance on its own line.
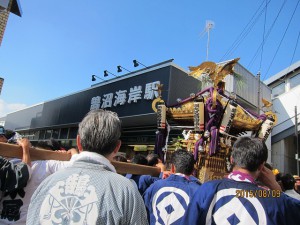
(249, 153)
(100, 131)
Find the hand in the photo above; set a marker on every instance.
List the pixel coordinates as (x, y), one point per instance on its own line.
(72, 151)
(267, 177)
(25, 143)
(61, 151)
(161, 166)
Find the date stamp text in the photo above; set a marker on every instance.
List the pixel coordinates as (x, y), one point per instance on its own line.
(257, 193)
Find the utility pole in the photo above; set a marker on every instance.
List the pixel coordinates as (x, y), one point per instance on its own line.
(1, 84)
(296, 138)
(258, 93)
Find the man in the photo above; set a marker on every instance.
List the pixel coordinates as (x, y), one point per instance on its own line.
(13, 176)
(238, 199)
(141, 182)
(154, 160)
(15, 201)
(14, 205)
(297, 184)
(166, 200)
(90, 191)
(288, 183)
(50, 144)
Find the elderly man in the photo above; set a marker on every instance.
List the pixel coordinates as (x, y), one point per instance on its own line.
(90, 191)
(238, 199)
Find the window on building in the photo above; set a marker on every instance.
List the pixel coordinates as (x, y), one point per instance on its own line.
(36, 135)
(30, 135)
(73, 132)
(278, 90)
(73, 144)
(42, 135)
(295, 81)
(55, 133)
(63, 133)
(48, 134)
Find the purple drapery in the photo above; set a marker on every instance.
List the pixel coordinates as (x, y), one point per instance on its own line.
(210, 89)
(160, 142)
(213, 124)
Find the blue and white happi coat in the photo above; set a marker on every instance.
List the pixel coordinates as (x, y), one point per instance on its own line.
(167, 200)
(239, 200)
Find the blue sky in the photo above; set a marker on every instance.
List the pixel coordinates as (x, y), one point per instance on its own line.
(55, 47)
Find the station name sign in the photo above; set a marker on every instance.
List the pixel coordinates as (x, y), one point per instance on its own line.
(126, 96)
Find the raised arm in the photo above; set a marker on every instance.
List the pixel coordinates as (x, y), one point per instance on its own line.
(25, 143)
(268, 178)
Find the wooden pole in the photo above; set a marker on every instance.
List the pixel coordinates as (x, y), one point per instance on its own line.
(15, 151)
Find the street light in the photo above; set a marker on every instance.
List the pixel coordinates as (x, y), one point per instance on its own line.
(137, 63)
(107, 72)
(94, 78)
(296, 138)
(120, 69)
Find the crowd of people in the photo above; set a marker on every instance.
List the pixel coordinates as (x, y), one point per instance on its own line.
(88, 190)
(25, 178)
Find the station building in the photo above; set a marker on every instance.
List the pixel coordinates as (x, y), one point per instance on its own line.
(130, 96)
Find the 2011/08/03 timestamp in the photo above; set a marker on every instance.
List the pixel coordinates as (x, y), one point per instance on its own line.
(261, 193)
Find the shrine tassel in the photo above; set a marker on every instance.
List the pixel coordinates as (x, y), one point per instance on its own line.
(214, 137)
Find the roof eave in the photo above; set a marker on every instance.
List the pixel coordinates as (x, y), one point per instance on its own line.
(16, 8)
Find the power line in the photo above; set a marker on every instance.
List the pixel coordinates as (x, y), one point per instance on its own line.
(295, 47)
(282, 39)
(292, 56)
(245, 31)
(268, 33)
(263, 41)
(236, 40)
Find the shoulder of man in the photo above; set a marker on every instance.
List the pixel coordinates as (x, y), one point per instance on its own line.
(195, 180)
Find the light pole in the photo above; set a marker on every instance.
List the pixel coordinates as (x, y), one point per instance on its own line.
(258, 93)
(1, 84)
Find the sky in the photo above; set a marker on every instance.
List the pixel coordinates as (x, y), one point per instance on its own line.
(56, 46)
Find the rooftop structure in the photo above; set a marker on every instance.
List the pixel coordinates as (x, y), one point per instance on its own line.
(7, 7)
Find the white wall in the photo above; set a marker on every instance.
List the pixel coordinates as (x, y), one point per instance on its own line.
(290, 165)
(283, 155)
(284, 106)
(278, 155)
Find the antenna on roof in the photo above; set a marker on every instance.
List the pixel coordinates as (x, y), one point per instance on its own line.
(209, 25)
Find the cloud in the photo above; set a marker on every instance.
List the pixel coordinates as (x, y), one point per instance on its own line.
(6, 108)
